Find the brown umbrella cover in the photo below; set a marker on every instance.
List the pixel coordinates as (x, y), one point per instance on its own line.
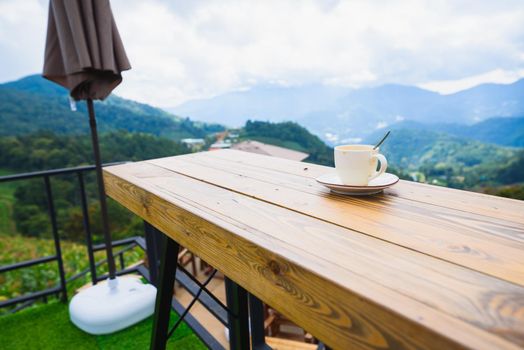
(84, 52)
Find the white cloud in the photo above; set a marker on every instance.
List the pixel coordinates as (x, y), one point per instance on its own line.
(351, 140)
(381, 125)
(499, 76)
(184, 50)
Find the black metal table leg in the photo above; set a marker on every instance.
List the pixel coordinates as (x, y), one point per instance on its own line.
(256, 318)
(238, 318)
(153, 250)
(166, 280)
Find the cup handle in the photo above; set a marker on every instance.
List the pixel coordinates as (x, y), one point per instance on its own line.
(383, 166)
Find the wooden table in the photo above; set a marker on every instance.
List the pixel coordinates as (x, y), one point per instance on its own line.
(418, 266)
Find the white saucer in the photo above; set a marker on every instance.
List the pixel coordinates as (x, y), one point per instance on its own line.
(376, 185)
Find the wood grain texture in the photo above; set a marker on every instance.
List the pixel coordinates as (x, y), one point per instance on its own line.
(393, 197)
(478, 242)
(365, 293)
(285, 344)
(496, 207)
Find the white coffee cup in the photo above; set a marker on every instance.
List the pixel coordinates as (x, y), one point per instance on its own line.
(356, 165)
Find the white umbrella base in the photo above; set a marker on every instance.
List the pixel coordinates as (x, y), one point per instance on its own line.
(109, 307)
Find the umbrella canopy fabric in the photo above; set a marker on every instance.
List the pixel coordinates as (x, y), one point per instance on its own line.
(84, 52)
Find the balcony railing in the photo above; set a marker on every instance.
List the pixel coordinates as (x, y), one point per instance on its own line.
(61, 288)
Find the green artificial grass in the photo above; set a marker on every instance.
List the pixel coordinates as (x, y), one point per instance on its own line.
(43, 327)
(48, 327)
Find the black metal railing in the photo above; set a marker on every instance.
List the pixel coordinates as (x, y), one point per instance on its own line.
(234, 315)
(184, 278)
(61, 288)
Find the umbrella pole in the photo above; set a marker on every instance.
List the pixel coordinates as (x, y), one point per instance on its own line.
(101, 189)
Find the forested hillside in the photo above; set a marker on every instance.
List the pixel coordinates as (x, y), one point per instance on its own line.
(46, 150)
(452, 161)
(290, 135)
(23, 205)
(417, 154)
(34, 104)
(50, 151)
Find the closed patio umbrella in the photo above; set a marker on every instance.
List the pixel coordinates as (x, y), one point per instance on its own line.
(84, 53)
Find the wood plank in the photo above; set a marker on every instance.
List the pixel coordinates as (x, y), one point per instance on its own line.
(285, 344)
(487, 224)
(446, 236)
(497, 207)
(341, 306)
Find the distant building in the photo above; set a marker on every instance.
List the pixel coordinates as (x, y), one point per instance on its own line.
(219, 145)
(194, 144)
(269, 150)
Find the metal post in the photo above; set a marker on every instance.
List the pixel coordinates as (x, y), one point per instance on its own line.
(101, 189)
(256, 322)
(152, 251)
(164, 294)
(87, 228)
(122, 262)
(238, 318)
(56, 238)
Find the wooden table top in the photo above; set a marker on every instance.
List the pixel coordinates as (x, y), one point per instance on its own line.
(418, 266)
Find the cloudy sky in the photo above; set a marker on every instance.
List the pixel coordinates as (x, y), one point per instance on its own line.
(182, 50)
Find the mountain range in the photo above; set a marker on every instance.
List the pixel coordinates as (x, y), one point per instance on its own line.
(463, 155)
(507, 131)
(35, 104)
(410, 149)
(341, 115)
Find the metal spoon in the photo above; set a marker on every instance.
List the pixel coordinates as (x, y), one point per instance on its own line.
(383, 139)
